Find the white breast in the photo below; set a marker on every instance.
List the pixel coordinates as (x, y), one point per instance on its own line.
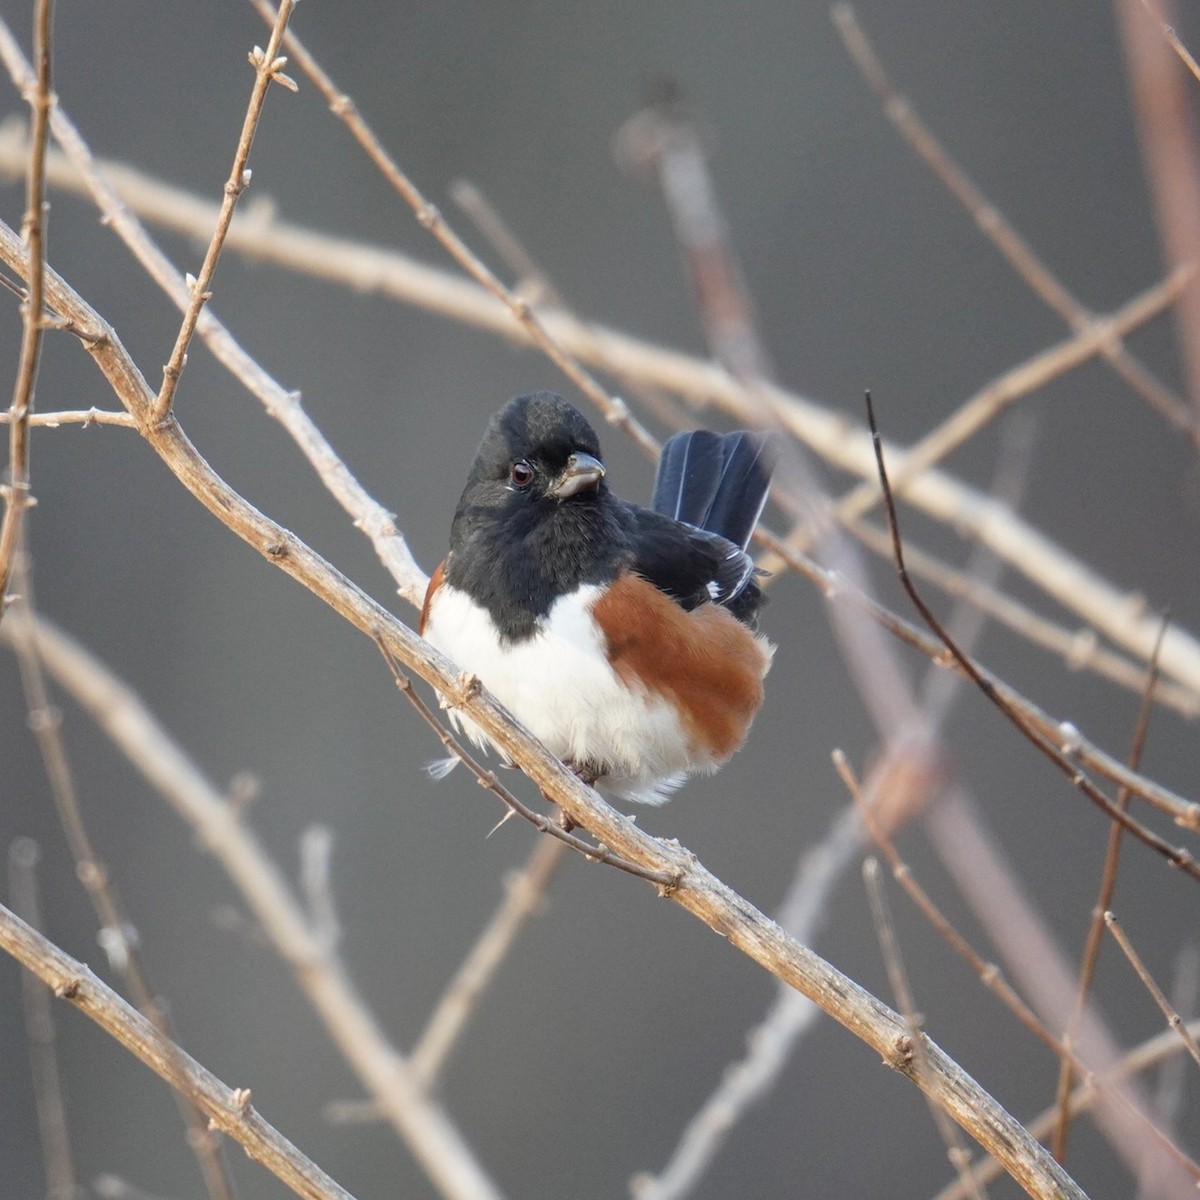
(560, 686)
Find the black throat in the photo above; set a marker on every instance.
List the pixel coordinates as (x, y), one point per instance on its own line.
(516, 559)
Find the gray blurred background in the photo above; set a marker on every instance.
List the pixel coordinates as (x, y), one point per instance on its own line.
(616, 1013)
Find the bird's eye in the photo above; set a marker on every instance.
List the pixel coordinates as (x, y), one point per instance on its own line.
(521, 474)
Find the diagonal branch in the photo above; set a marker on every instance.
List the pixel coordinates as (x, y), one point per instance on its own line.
(699, 891)
(228, 1109)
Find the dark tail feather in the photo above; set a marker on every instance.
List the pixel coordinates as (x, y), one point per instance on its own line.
(715, 481)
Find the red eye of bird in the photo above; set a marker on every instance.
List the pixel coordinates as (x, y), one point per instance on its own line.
(521, 474)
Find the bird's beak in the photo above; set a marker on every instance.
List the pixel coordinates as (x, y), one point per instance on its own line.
(582, 471)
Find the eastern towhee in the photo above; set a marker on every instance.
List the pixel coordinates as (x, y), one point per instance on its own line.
(622, 637)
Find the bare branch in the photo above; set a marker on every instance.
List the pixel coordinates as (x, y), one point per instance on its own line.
(268, 69)
(523, 892)
(885, 931)
(1174, 1020)
(16, 492)
(84, 416)
(227, 1109)
(1176, 856)
(23, 856)
(995, 226)
(1108, 885)
(429, 1132)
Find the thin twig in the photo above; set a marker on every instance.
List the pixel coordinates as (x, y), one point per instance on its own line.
(995, 226)
(885, 931)
(989, 974)
(1176, 856)
(531, 280)
(665, 880)
(1108, 885)
(283, 405)
(1158, 1049)
(83, 416)
(700, 892)
(1079, 648)
(996, 397)
(268, 69)
(16, 491)
(434, 1140)
(118, 936)
(615, 411)
(1174, 1020)
(227, 1109)
(23, 856)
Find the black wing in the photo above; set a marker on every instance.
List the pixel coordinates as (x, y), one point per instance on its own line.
(693, 566)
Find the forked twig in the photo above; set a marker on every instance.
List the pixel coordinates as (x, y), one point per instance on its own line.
(268, 69)
(1176, 856)
(1108, 884)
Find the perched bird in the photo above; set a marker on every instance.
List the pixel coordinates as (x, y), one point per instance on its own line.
(622, 637)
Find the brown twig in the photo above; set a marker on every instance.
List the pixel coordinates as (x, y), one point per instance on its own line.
(432, 1137)
(1108, 885)
(889, 945)
(16, 491)
(61, 1184)
(227, 1109)
(1176, 856)
(615, 411)
(989, 974)
(699, 891)
(1174, 1020)
(268, 69)
(118, 936)
(995, 226)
